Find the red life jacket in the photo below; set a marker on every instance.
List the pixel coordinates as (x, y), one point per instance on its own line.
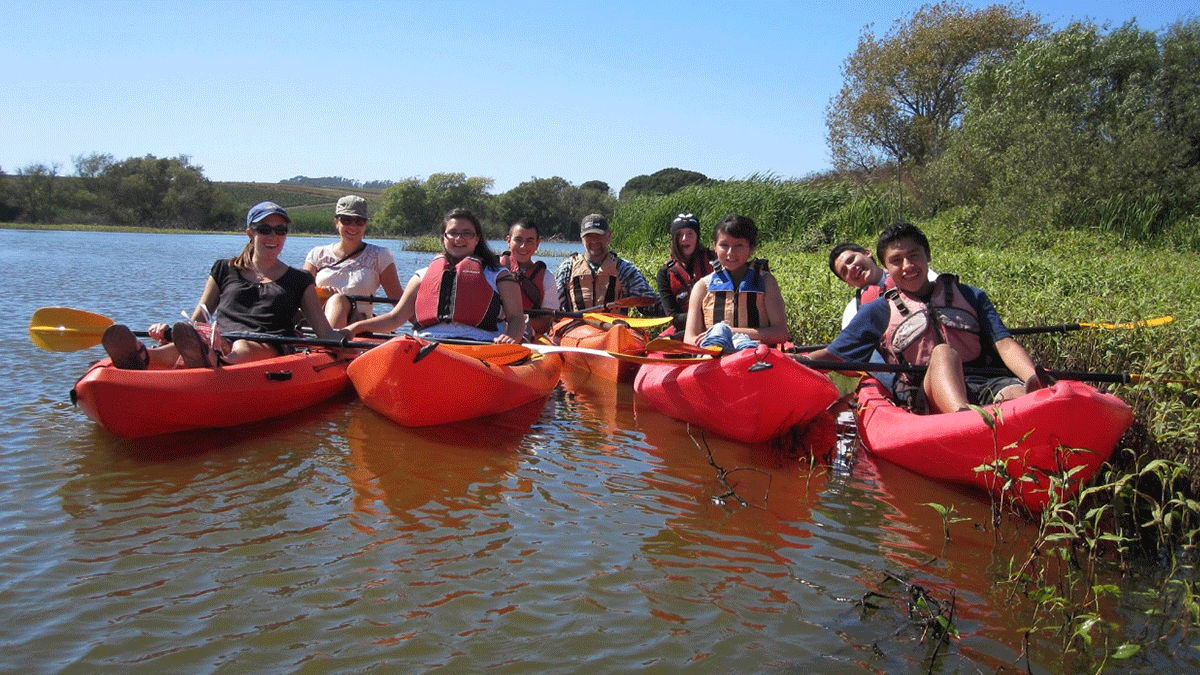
(457, 294)
(869, 293)
(915, 327)
(532, 282)
(682, 279)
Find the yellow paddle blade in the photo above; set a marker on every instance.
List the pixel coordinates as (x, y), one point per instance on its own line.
(669, 346)
(494, 354)
(63, 329)
(1148, 323)
(632, 321)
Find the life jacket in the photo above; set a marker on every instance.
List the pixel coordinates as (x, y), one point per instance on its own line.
(682, 279)
(457, 294)
(915, 327)
(743, 307)
(874, 291)
(532, 282)
(587, 289)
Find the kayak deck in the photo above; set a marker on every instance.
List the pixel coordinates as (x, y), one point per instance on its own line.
(617, 338)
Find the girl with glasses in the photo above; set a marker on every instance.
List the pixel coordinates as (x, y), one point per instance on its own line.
(464, 293)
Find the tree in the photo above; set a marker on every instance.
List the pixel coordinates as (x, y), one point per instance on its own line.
(404, 209)
(152, 192)
(415, 207)
(597, 185)
(1082, 128)
(903, 92)
(661, 182)
(36, 192)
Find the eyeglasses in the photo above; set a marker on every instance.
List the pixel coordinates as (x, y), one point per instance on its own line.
(352, 220)
(263, 228)
(459, 235)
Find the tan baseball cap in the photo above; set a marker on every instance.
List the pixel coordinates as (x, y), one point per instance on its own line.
(351, 205)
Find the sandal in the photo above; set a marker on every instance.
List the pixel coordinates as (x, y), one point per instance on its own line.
(125, 350)
(192, 348)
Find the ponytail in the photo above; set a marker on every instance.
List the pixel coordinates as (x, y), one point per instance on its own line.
(246, 258)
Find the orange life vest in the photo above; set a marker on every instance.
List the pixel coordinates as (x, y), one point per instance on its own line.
(587, 289)
(743, 307)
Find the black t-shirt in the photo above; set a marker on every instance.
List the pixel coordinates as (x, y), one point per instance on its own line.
(247, 306)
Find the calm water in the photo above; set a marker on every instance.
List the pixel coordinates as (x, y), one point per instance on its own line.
(581, 533)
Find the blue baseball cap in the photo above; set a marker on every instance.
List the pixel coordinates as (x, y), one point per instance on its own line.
(262, 210)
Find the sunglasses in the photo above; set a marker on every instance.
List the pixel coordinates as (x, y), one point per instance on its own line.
(268, 229)
(352, 220)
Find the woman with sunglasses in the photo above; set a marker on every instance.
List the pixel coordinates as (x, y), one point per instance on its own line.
(255, 292)
(351, 266)
(464, 293)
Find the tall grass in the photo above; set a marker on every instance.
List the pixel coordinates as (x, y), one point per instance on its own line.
(807, 215)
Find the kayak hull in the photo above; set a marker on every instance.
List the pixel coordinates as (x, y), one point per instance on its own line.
(138, 403)
(750, 395)
(1066, 430)
(417, 383)
(618, 338)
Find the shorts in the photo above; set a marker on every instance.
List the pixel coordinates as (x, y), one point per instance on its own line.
(981, 390)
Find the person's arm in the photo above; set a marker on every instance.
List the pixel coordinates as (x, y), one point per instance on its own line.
(208, 299)
(695, 317)
(776, 331)
(514, 310)
(1015, 358)
(561, 277)
(542, 323)
(402, 312)
(390, 281)
(668, 299)
(635, 285)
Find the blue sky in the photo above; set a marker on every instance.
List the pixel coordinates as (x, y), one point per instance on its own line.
(262, 91)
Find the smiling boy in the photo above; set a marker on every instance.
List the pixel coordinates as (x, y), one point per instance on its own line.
(942, 324)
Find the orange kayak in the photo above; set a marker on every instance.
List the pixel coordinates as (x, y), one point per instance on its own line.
(617, 338)
(139, 403)
(750, 395)
(418, 383)
(1066, 430)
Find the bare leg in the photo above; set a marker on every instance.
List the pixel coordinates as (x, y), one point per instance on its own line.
(1010, 392)
(944, 384)
(244, 350)
(337, 310)
(163, 356)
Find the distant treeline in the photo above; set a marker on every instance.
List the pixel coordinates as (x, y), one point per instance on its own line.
(338, 182)
(173, 193)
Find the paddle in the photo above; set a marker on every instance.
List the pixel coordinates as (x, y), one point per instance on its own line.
(63, 329)
(1083, 376)
(1030, 330)
(669, 346)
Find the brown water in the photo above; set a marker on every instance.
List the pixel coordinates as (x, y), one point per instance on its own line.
(585, 532)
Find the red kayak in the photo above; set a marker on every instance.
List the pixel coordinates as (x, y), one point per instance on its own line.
(418, 383)
(750, 395)
(1067, 430)
(139, 403)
